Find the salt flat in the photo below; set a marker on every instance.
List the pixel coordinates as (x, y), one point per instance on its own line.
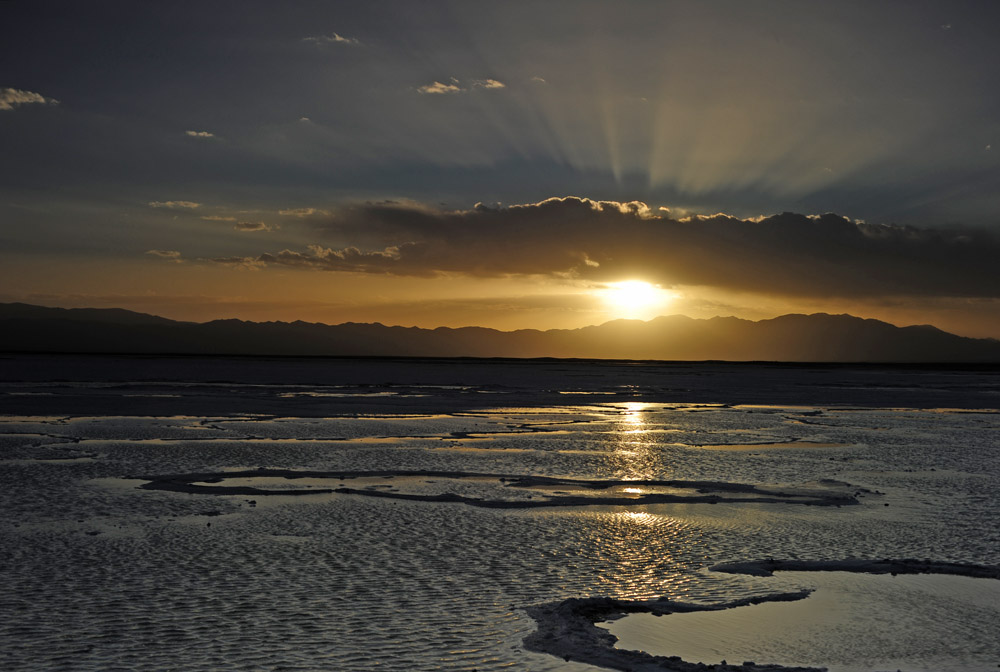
(376, 551)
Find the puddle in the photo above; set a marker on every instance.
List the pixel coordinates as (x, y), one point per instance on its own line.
(851, 623)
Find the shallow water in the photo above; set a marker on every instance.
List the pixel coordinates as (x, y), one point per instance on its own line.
(850, 623)
(99, 573)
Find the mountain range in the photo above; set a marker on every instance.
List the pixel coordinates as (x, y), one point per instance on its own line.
(794, 338)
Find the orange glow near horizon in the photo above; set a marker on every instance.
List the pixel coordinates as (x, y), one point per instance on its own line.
(197, 292)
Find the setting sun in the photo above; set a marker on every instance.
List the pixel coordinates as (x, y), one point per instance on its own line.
(635, 299)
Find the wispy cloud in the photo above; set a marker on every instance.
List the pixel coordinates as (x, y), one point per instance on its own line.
(488, 84)
(788, 254)
(302, 212)
(254, 226)
(438, 87)
(173, 205)
(11, 98)
(172, 256)
(240, 263)
(199, 134)
(219, 218)
(454, 85)
(332, 38)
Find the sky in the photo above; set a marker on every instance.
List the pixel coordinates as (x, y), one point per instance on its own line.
(504, 164)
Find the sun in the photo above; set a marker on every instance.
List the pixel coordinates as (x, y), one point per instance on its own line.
(635, 299)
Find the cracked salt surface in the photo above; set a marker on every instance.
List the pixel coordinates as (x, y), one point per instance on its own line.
(99, 573)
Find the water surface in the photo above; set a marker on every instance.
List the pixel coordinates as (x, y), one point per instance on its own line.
(100, 572)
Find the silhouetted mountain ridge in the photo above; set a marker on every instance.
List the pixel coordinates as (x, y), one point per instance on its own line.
(105, 315)
(819, 338)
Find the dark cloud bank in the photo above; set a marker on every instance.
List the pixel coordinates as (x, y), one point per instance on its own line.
(788, 254)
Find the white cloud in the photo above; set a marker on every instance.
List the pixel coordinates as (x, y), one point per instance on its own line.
(11, 98)
(172, 205)
(199, 134)
(332, 38)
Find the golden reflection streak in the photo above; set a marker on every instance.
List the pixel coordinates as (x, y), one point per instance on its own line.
(641, 517)
(633, 458)
(636, 549)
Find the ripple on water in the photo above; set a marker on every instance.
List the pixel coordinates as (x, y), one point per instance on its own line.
(100, 577)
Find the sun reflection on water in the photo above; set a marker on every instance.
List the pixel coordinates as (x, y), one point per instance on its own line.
(633, 456)
(642, 518)
(632, 414)
(636, 553)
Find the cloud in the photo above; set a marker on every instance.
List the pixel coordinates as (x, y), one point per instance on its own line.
(488, 84)
(199, 134)
(11, 98)
(253, 226)
(170, 255)
(787, 254)
(438, 87)
(219, 218)
(332, 38)
(302, 212)
(455, 86)
(173, 205)
(240, 263)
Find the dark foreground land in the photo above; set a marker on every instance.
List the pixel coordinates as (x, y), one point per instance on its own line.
(317, 387)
